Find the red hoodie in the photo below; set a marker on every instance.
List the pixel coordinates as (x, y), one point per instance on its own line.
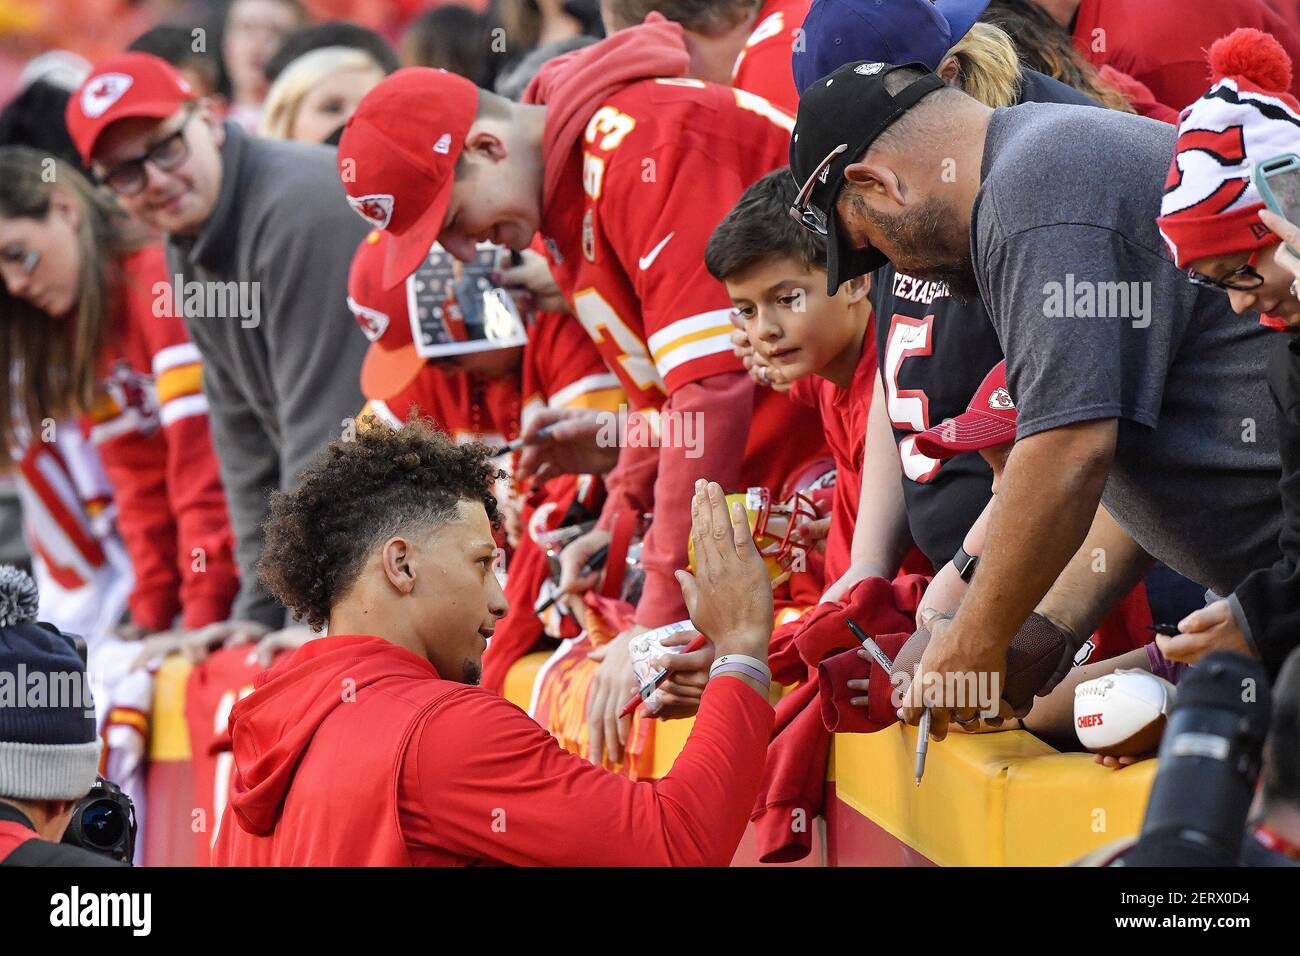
(641, 164)
(353, 752)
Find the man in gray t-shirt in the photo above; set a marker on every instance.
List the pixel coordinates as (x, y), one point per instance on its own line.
(1133, 388)
(1098, 323)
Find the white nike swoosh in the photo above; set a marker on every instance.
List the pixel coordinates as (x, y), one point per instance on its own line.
(646, 261)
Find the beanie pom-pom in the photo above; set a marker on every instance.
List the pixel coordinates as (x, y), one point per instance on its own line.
(1255, 56)
(19, 600)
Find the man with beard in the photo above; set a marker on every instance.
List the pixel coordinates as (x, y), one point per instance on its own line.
(1134, 388)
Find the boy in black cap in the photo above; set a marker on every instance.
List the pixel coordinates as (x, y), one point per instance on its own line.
(49, 751)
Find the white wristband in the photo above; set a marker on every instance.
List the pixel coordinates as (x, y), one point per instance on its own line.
(741, 664)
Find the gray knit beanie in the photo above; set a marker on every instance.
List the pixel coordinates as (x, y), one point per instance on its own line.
(48, 746)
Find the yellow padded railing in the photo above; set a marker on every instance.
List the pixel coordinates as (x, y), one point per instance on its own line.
(998, 799)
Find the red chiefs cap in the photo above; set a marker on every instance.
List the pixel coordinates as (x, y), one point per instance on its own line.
(391, 363)
(989, 420)
(397, 159)
(130, 85)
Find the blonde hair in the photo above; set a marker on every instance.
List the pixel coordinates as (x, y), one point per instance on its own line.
(284, 99)
(52, 362)
(988, 67)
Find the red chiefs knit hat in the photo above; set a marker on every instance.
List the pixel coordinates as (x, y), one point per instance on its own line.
(392, 362)
(989, 420)
(1210, 207)
(397, 159)
(130, 85)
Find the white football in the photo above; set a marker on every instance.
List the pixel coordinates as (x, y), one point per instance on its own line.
(1123, 713)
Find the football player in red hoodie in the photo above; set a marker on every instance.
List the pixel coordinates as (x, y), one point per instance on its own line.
(624, 164)
(389, 541)
(83, 334)
(485, 392)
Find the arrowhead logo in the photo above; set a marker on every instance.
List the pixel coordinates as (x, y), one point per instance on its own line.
(1001, 400)
(868, 69)
(443, 145)
(376, 209)
(373, 322)
(103, 92)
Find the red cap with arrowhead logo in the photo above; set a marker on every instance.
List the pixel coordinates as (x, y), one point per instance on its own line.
(397, 159)
(391, 363)
(130, 85)
(989, 420)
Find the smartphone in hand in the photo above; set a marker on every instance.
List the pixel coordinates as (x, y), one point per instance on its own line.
(1278, 182)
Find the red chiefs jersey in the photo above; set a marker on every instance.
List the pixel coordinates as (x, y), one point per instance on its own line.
(631, 204)
(661, 162)
(214, 686)
(763, 66)
(560, 368)
(467, 407)
(149, 424)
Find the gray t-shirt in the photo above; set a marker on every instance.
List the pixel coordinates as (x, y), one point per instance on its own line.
(1097, 322)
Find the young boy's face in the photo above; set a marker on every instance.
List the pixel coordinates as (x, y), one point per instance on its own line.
(791, 322)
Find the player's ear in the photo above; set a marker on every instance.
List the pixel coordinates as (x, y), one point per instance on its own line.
(396, 561)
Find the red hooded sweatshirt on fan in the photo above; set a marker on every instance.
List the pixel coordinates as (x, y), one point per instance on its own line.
(353, 752)
(642, 163)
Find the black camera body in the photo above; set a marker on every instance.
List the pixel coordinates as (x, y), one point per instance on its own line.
(1209, 763)
(103, 821)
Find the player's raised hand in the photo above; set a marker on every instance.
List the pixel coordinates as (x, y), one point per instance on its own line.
(730, 596)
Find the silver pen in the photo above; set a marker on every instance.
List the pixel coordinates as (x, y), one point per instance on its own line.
(922, 744)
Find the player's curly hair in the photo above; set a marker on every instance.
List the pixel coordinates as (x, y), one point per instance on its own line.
(358, 493)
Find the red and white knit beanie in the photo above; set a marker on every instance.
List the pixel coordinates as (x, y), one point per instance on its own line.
(1210, 206)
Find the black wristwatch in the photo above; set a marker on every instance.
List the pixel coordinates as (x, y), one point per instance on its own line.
(965, 564)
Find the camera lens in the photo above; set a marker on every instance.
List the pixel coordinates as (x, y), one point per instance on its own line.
(103, 824)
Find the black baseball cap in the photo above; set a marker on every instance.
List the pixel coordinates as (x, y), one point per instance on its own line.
(841, 115)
